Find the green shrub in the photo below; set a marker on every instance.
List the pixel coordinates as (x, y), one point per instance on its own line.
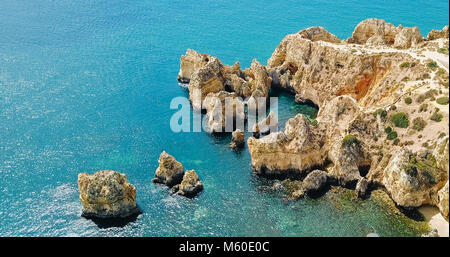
(400, 120)
(443, 50)
(396, 141)
(408, 100)
(436, 117)
(388, 130)
(419, 124)
(350, 140)
(405, 65)
(442, 100)
(392, 135)
(314, 122)
(432, 65)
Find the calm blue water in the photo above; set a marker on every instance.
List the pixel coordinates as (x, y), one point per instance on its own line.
(86, 85)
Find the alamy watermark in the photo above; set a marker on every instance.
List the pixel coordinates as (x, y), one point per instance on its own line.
(224, 114)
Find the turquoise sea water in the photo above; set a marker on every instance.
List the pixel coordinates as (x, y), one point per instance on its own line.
(86, 85)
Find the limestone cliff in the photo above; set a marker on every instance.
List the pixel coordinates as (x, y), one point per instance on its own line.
(383, 107)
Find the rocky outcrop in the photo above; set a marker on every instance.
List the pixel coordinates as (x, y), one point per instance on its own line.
(223, 110)
(206, 74)
(319, 34)
(362, 187)
(443, 201)
(237, 139)
(319, 72)
(379, 32)
(376, 93)
(314, 182)
(107, 194)
(190, 186)
(413, 180)
(265, 126)
(169, 172)
(297, 148)
(436, 34)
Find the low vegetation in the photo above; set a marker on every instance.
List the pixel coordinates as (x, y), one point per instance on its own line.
(350, 140)
(442, 100)
(419, 124)
(400, 120)
(408, 100)
(436, 117)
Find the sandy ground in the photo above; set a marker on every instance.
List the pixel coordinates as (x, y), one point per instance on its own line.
(434, 217)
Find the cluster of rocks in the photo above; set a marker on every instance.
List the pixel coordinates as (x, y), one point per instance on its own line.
(359, 85)
(171, 173)
(107, 194)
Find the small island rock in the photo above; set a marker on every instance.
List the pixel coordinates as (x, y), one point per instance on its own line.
(169, 172)
(237, 139)
(107, 194)
(190, 186)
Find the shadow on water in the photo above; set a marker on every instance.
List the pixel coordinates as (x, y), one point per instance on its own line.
(104, 223)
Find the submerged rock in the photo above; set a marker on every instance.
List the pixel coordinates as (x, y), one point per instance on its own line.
(107, 194)
(169, 172)
(237, 139)
(190, 186)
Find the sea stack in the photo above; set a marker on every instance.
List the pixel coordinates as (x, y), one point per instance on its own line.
(237, 139)
(190, 186)
(169, 172)
(107, 194)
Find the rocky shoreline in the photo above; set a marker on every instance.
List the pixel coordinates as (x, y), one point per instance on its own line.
(383, 108)
(382, 124)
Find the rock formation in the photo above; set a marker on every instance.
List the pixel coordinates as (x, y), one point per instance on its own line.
(107, 194)
(436, 34)
(169, 172)
(379, 32)
(237, 139)
(265, 126)
(443, 201)
(190, 186)
(224, 110)
(383, 108)
(315, 182)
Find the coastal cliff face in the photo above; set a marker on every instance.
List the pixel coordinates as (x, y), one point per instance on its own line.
(107, 194)
(383, 109)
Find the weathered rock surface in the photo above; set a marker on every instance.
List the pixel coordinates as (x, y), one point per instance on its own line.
(297, 148)
(265, 126)
(223, 110)
(362, 187)
(315, 181)
(413, 180)
(107, 194)
(379, 32)
(190, 186)
(319, 34)
(206, 74)
(237, 139)
(382, 112)
(169, 172)
(436, 34)
(443, 201)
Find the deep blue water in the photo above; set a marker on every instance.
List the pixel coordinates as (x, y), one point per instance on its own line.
(86, 85)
